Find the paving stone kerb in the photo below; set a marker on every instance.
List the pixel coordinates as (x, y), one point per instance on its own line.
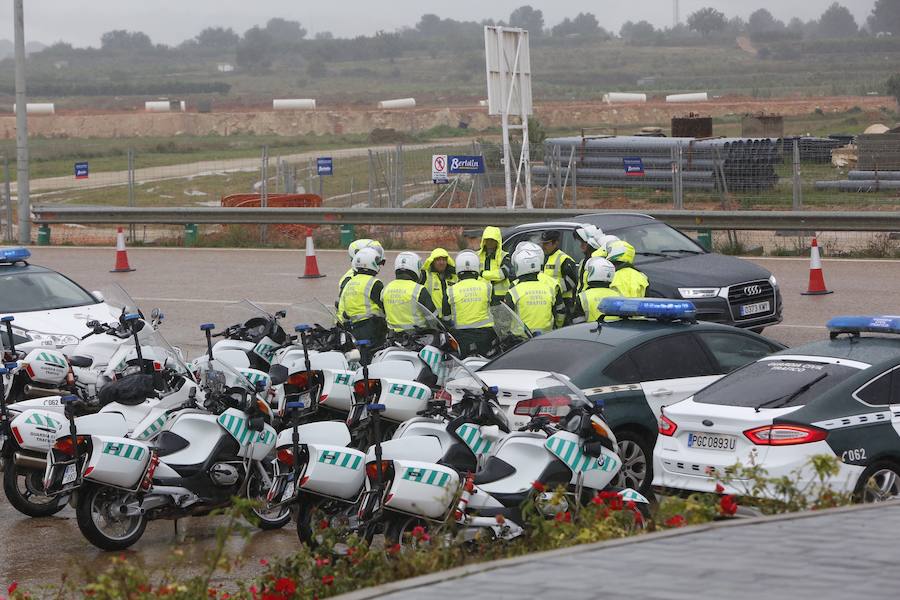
(841, 553)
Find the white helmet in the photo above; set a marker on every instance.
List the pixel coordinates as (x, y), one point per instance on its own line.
(587, 233)
(528, 246)
(408, 261)
(606, 240)
(599, 270)
(467, 262)
(526, 261)
(357, 245)
(367, 258)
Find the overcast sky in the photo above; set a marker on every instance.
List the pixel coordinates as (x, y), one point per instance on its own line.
(172, 21)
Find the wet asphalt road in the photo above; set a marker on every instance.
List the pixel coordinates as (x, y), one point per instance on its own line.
(198, 285)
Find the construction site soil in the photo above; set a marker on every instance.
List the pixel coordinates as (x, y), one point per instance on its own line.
(357, 120)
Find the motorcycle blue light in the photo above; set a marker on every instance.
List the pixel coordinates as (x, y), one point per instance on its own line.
(867, 324)
(493, 389)
(3, 371)
(363, 342)
(68, 399)
(207, 327)
(14, 255)
(302, 328)
(650, 308)
(7, 319)
(11, 366)
(295, 405)
(131, 317)
(375, 407)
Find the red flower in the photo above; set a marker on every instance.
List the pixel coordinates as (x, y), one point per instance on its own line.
(418, 532)
(727, 505)
(323, 524)
(12, 588)
(564, 517)
(394, 550)
(212, 593)
(630, 505)
(638, 518)
(501, 520)
(719, 488)
(598, 499)
(328, 579)
(608, 495)
(538, 486)
(676, 521)
(322, 562)
(264, 562)
(616, 503)
(351, 551)
(286, 586)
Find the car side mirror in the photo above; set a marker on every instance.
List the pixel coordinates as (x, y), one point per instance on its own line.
(278, 374)
(99, 296)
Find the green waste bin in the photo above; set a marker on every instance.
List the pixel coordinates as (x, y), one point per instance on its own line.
(191, 233)
(704, 238)
(348, 234)
(43, 237)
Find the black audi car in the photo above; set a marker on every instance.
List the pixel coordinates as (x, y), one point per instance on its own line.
(725, 289)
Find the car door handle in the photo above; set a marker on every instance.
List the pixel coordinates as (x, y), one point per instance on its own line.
(662, 392)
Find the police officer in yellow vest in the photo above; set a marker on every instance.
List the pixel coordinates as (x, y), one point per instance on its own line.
(600, 273)
(401, 297)
(438, 274)
(588, 237)
(628, 282)
(559, 265)
(470, 305)
(540, 306)
(356, 246)
(360, 305)
(495, 264)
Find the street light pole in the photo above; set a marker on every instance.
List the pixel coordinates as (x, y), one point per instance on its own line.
(21, 127)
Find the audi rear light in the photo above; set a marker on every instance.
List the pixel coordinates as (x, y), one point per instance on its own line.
(667, 426)
(785, 435)
(551, 407)
(285, 456)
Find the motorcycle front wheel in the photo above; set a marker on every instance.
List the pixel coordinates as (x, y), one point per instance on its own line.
(102, 519)
(24, 488)
(258, 489)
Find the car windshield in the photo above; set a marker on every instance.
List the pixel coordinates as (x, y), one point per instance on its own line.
(657, 240)
(576, 359)
(765, 383)
(31, 291)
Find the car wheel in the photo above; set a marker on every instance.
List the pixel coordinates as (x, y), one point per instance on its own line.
(635, 452)
(879, 482)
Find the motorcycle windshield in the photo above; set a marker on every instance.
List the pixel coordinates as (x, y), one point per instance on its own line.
(430, 320)
(507, 322)
(220, 373)
(250, 315)
(116, 296)
(312, 313)
(472, 382)
(162, 351)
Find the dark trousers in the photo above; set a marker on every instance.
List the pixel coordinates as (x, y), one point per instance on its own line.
(477, 342)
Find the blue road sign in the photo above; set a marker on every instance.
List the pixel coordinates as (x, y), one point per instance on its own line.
(634, 166)
(325, 166)
(466, 164)
(81, 170)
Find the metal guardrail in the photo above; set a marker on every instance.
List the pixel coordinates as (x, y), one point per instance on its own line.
(681, 219)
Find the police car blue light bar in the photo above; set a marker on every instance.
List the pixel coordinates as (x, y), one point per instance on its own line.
(865, 324)
(14, 255)
(651, 308)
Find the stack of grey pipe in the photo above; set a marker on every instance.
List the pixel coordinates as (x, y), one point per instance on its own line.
(735, 164)
(864, 182)
(816, 149)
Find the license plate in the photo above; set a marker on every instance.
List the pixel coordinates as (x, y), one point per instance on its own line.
(68, 474)
(755, 309)
(711, 441)
(288, 491)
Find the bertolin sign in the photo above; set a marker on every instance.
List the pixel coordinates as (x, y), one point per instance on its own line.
(466, 164)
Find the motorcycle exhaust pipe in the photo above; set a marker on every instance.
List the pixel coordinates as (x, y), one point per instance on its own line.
(30, 462)
(32, 392)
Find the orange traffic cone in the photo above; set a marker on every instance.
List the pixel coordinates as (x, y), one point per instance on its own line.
(121, 254)
(816, 278)
(311, 271)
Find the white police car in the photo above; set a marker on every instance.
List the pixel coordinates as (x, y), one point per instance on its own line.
(47, 307)
(838, 397)
(656, 354)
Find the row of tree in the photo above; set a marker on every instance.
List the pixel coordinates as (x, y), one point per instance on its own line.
(259, 46)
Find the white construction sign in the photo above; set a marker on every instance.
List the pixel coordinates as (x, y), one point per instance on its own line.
(508, 66)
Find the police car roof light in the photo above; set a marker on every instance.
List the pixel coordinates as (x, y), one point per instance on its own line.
(864, 324)
(302, 327)
(295, 405)
(14, 255)
(375, 407)
(651, 308)
(207, 327)
(7, 319)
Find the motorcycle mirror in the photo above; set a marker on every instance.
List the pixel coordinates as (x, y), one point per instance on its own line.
(82, 362)
(281, 314)
(256, 424)
(278, 374)
(156, 314)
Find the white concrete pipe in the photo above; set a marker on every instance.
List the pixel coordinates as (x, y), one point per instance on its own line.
(398, 103)
(38, 108)
(694, 97)
(165, 105)
(294, 104)
(621, 97)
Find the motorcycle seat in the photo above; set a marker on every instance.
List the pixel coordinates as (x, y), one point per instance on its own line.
(132, 390)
